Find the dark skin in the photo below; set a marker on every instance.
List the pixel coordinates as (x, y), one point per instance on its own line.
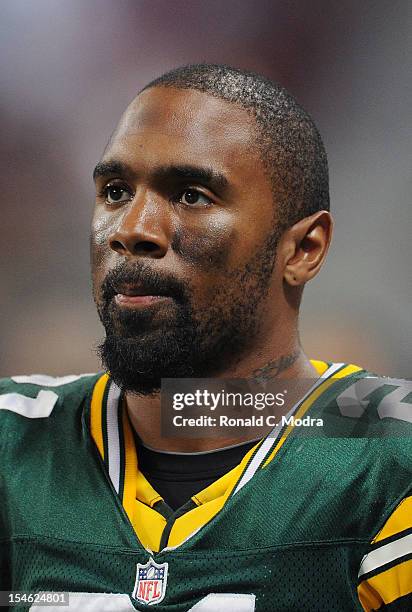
(181, 187)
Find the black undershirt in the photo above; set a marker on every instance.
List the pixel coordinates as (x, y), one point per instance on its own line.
(177, 477)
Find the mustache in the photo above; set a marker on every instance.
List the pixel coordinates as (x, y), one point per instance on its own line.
(149, 280)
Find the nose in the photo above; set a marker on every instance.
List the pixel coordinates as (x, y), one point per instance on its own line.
(142, 229)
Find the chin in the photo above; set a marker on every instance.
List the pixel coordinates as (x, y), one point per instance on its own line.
(138, 364)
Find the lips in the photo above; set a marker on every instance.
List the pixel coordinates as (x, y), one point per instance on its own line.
(144, 300)
(136, 290)
(137, 295)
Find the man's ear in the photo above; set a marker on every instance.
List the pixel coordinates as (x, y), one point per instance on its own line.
(304, 247)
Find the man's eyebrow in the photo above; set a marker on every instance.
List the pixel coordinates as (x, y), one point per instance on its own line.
(110, 167)
(208, 176)
(180, 172)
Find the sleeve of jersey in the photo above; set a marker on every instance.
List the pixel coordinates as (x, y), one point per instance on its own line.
(385, 575)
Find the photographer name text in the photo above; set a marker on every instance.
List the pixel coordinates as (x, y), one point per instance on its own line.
(253, 421)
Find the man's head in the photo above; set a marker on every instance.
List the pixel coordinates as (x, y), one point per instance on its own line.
(208, 173)
(286, 137)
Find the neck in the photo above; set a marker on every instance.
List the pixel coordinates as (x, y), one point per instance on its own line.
(262, 366)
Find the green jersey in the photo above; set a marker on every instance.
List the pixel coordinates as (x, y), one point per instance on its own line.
(302, 523)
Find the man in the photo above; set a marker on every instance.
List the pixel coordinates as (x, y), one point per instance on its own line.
(211, 215)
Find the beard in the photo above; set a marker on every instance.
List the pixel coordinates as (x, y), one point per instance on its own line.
(180, 339)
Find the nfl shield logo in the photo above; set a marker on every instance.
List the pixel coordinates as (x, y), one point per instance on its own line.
(151, 581)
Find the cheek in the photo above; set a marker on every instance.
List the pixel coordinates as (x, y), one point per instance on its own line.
(99, 237)
(101, 228)
(209, 248)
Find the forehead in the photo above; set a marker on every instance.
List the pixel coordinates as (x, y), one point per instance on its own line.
(166, 125)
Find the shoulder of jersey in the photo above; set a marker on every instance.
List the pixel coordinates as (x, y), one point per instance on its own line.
(373, 404)
(372, 416)
(28, 399)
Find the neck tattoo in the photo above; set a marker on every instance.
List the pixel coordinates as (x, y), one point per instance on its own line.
(273, 368)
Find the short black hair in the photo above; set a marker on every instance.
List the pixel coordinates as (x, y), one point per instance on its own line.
(288, 140)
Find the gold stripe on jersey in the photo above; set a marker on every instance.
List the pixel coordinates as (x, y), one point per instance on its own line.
(96, 412)
(148, 525)
(386, 587)
(368, 597)
(345, 371)
(320, 366)
(217, 488)
(399, 520)
(147, 494)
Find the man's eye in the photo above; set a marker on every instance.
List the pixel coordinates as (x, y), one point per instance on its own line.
(116, 193)
(192, 197)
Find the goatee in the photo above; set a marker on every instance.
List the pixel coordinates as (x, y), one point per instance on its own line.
(178, 337)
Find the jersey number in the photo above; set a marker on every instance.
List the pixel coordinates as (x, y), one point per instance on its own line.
(396, 403)
(30, 407)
